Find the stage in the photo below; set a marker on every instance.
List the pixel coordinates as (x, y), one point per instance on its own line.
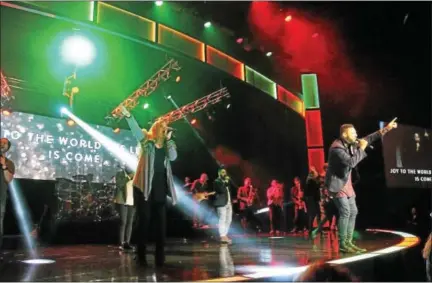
(249, 258)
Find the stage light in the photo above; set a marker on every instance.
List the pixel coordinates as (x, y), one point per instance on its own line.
(268, 54)
(146, 105)
(116, 130)
(78, 50)
(169, 97)
(63, 110)
(38, 261)
(178, 79)
(240, 40)
(159, 3)
(228, 106)
(288, 18)
(70, 122)
(207, 24)
(193, 121)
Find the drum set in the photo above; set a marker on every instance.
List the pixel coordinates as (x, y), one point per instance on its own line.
(80, 199)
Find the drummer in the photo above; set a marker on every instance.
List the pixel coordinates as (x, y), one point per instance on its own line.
(125, 205)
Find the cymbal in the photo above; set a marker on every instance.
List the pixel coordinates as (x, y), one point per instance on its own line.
(79, 177)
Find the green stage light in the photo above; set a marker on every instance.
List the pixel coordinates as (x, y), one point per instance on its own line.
(78, 50)
(159, 3)
(207, 24)
(146, 105)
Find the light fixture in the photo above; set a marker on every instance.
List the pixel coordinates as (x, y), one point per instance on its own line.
(240, 40)
(193, 121)
(146, 105)
(288, 18)
(116, 130)
(70, 122)
(6, 111)
(78, 51)
(207, 24)
(38, 261)
(178, 79)
(268, 54)
(159, 3)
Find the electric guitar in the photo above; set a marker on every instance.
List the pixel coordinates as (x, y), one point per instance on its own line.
(202, 196)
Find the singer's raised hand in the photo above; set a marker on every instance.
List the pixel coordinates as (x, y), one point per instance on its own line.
(362, 143)
(392, 125)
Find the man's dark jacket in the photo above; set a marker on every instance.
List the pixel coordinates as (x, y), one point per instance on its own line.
(221, 197)
(341, 161)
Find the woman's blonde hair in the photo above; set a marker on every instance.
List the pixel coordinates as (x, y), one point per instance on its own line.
(427, 248)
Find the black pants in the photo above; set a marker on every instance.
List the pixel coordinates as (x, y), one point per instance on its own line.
(330, 211)
(127, 214)
(275, 217)
(313, 210)
(150, 212)
(2, 214)
(299, 219)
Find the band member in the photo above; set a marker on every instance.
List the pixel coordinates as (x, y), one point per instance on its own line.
(8, 171)
(200, 186)
(223, 204)
(344, 154)
(275, 198)
(243, 198)
(153, 182)
(125, 204)
(312, 196)
(300, 210)
(187, 185)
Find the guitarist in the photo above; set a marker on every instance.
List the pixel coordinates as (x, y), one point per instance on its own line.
(300, 210)
(200, 186)
(243, 194)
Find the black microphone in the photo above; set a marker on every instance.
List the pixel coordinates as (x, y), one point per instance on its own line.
(368, 146)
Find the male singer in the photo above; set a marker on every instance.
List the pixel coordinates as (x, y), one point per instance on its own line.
(344, 154)
(153, 182)
(8, 171)
(223, 205)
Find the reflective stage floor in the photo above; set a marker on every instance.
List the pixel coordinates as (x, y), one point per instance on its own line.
(249, 258)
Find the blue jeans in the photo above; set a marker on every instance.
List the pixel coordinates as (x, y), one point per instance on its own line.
(347, 208)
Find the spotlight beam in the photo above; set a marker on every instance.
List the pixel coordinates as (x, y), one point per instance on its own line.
(113, 147)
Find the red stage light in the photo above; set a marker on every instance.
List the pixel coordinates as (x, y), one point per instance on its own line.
(288, 18)
(193, 121)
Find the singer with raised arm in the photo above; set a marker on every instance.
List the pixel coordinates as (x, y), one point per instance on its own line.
(344, 155)
(8, 171)
(223, 204)
(153, 182)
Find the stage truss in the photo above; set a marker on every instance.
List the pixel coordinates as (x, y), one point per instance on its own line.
(6, 94)
(146, 88)
(197, 105)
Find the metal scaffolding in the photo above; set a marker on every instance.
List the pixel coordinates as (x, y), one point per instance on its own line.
(197, 105)
(147, 88)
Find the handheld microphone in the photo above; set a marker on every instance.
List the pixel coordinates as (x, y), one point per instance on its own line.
(368, 146)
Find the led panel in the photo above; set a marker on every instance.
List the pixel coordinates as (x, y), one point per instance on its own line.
(224, 62)
(314, 128)
(310, 90)
(181, 42)
(125, 21)
(290, 100)
(261, 82)
(316, 158)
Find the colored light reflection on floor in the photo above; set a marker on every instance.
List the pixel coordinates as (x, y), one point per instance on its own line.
(38, 261)
(261, 272)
